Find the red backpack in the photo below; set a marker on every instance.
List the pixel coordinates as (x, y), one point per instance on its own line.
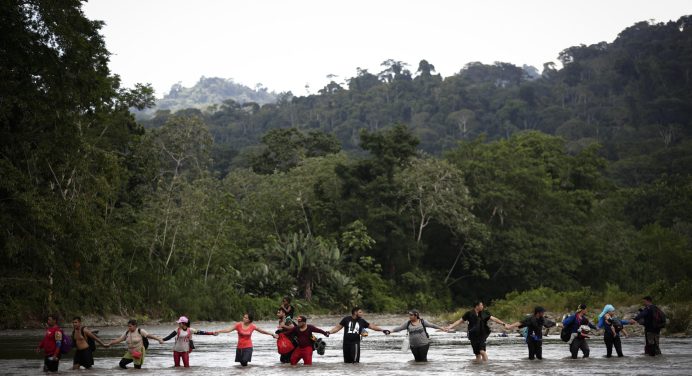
(284, 344)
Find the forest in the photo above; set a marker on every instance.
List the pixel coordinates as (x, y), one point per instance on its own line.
(393, 190)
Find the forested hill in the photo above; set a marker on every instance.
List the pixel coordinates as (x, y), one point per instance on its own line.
(578, 181)
(206, 94)
(633, 96)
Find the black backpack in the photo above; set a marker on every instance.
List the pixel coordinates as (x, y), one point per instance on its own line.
(566, 332)
(145, 340)
(90, 341)
(658, 318)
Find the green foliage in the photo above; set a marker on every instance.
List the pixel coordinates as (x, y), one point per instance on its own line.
(679, 317)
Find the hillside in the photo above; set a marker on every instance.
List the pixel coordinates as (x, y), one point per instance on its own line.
(208, 91)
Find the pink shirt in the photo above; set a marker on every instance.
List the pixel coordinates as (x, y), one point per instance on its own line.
(244, 335)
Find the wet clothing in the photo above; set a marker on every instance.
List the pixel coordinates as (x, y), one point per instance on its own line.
(51, 348)
(51, 341)
(478, 329)
(611, 342)
(419, 341)
(128, 358)
(243, 356)
(652, 344)
(417, 335)
(578, 341)
(651, 332)
(244, 335)
(534, 335)
(304, 353)
(477, 324)
(84, 358)
(352, 333)
(304, 337)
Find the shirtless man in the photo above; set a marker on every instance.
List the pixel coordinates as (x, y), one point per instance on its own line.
(83, 354)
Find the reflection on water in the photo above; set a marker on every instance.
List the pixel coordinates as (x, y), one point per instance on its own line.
(450, 354)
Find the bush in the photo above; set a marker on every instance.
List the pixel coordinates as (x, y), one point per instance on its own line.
(679, 318)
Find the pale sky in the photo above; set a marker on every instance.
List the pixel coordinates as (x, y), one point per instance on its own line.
(286, 44)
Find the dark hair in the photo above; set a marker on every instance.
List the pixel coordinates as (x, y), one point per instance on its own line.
(132, 322)
(538, 309)
(303, 318)
(414, 312)
(477, 303)
(52, 316)
(287, 299)
(250, 316)
(648, 298)
(77, 318)
(581, 307)
(354, 310)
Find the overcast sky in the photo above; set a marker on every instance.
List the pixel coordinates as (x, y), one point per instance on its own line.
(287, 44)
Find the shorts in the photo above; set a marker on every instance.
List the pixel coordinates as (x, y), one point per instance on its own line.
(478, 345)
(84, 358)
(243, 356)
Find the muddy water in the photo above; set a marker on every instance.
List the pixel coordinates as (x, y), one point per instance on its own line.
(450, 354)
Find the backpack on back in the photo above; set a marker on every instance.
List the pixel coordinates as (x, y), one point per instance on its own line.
(145, 340)
(90, 341)
(66, 344)
(659, 318)
(566, 332)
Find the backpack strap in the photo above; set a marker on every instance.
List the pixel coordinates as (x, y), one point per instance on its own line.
(422, 322)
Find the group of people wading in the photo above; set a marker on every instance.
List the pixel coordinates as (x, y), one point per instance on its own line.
(302, 340)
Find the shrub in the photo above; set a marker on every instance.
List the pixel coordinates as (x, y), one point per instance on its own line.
(679, 318)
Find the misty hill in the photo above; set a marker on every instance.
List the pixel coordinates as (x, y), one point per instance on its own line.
(209, 91)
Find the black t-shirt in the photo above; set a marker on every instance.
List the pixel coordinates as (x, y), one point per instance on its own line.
(478, 323)
(534, 325)
(353, 328)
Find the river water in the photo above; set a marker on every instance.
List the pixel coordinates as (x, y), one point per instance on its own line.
(450, 354)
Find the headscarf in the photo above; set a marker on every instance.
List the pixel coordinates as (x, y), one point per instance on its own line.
(608, 308)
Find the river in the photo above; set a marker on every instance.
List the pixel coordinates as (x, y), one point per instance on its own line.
(450, 354)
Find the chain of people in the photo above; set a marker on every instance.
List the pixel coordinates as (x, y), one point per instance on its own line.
(296, 339)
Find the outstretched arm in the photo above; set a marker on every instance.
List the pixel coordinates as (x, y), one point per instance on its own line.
(93, 336)
(266, 332)
(454, 324)
(495, 319)
(200, 332)
(336, 328)
(173, 333)
(227, 330)
(117, 340)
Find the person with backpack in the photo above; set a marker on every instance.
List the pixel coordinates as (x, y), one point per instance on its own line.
(304, 335)
(354, 328)
(137, 341)
(478, 329)
(418, 337)
(243, 352)
(653, 320)
(285, 343)
(288, 309)
(533, 333)
(183, 341)
(52, 344)
(85, 344)
(612, 327)
(575, 332)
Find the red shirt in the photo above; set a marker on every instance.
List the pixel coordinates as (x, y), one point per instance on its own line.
(305, 337)
(48, 345)
(244, 335)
